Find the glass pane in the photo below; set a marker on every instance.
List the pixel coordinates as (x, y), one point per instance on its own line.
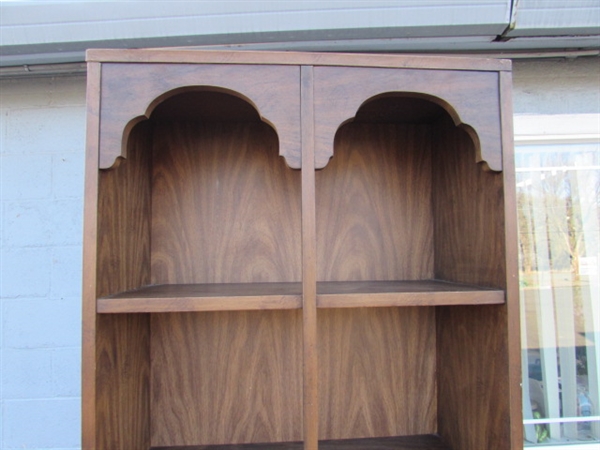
(558, 197)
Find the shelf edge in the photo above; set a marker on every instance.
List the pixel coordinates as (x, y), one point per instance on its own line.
(389, 299)
(197, 304)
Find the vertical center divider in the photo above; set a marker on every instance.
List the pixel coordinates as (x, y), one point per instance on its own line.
(309, 264)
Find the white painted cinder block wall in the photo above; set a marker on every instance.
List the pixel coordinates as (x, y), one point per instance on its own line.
(42, 133)
(42, 154)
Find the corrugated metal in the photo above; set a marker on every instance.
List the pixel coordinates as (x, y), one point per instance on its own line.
(27, 23)
(48, 32)
(57, 31)
(556, 17)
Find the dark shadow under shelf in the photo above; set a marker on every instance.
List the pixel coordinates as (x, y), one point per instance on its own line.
(421, 442)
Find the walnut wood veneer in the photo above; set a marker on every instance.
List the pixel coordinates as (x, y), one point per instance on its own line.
(287, 250)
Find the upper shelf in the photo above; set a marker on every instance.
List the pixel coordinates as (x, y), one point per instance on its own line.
(331, 294)
(357, 294)
(204, 297)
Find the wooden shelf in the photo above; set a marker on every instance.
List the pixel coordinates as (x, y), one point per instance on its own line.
(358, 294)
(330, 294)
(204, 297)
(422, 442)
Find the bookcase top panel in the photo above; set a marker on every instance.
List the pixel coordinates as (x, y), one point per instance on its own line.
(181, 56)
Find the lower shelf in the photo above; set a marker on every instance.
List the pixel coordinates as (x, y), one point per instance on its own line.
(421, 442)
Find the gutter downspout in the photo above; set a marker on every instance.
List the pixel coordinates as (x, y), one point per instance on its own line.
(512, 22)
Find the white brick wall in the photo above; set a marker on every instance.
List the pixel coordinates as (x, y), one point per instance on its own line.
(41, 161)
(41, 190)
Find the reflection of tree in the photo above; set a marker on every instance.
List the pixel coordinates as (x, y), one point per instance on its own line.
(556, 192)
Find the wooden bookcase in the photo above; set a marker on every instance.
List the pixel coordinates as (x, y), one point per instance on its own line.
(287, 250)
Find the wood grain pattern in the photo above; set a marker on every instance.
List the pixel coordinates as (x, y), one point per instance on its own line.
(204, 297)
(512, 272)
(124, 206)
(473, 361)
(468, 204)
(123, 262)
(296, 58)
(422, 442)
(372, 294)
(226, 377)
(377, 372)
(473, 383)
(131, 91)
(122, 382)
(90, 224)
(204, 221)
(374, 205)
(309, 268)
(225, 208)
(460, 93)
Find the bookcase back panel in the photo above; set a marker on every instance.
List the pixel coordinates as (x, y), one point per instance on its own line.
(374, 217)
(226, 377)
(377, 371)
(225, 207)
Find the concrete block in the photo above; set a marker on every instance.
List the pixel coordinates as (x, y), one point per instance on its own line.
(27, 374)
(41, 323)
(25, 272)
(66, 272)
(42, 223)
(45, 130)
(25, 176)
(42, 424)
(67, 175)
(66, 372)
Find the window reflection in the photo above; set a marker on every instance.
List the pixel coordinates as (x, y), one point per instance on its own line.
(558, 198)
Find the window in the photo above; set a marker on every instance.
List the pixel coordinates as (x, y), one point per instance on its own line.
(558, 199)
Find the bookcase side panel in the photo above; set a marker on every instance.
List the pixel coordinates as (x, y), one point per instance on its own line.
(468, 210)
(123, 262)
(472, 342)
(123, 382)
(124, 202)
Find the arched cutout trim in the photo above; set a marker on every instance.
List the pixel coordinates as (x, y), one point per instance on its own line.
(150, 108)
(130, 92)
(469, 98)
(444, 108)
